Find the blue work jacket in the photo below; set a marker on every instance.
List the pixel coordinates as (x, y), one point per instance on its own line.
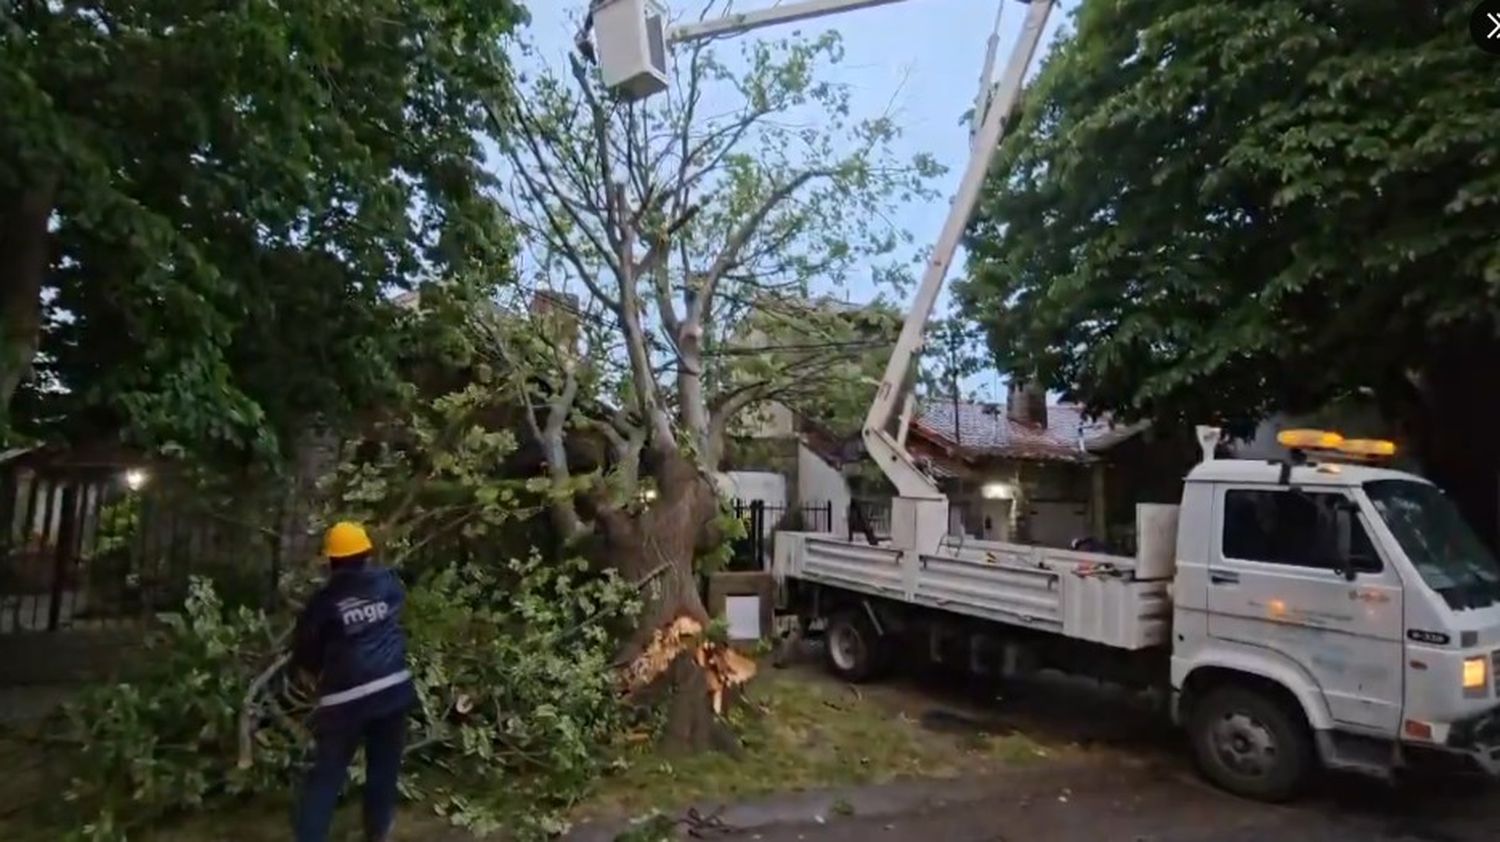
(350, 636)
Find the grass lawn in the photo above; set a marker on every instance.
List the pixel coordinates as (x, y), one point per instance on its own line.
(799, 730)
(803, 731)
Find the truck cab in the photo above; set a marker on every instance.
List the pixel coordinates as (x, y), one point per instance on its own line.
(1330, 610)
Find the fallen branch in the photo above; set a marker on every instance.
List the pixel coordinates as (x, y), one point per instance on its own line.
(253, 705)
(250, 709)
(697, 824)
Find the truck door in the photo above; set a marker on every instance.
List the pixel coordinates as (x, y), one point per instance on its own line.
(1277, 580)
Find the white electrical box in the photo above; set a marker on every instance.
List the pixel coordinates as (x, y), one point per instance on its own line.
(631, 37)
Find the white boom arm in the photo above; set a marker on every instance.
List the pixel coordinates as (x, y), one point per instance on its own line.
(889, 452)
(734, 24)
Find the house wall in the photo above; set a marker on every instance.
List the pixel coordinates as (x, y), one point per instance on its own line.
(768, 487)
(1054, 506)
(971, 515)
(1051, 503)
(819, 482)
(805, 478)
(748, 486)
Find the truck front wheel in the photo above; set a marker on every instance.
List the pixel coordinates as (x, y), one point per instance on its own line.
(855, 651)
(1249, 743)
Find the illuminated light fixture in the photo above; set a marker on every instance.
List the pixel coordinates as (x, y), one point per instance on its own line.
(1417, 730)
(1276, 609)
(135, 479)
(648, 495)
(997, 491)
(1309, 439)
(1476, 673)
(1368, 447)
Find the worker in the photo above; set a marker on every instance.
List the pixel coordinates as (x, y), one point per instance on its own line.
(349, 636)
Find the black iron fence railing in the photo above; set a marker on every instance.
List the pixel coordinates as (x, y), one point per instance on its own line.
(865, 519)
(111, 546)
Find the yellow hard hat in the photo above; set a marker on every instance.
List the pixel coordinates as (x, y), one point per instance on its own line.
(345, 539)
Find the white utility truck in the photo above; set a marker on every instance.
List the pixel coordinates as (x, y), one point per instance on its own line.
(1310, 610)
(1299, 611)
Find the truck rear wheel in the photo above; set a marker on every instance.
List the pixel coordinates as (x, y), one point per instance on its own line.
(1248, 742)
(854, 649)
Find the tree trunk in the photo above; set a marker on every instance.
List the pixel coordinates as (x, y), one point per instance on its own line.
(690, 387)
(660, 544)
(691, 725)
(23, 264)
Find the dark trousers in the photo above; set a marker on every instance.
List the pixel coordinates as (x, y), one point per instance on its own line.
(384, 738)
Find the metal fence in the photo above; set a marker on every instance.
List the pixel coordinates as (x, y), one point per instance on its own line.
(109, 545)
(863, 520)
(753, 551)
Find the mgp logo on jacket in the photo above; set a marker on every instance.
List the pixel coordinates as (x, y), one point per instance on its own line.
(360, 612)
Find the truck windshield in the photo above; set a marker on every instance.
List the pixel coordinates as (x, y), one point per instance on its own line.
(1449, 556)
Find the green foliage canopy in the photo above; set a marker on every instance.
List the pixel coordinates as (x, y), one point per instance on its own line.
(1219, 210)
(221, 199)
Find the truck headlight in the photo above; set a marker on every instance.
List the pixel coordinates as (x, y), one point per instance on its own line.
(1476, 676)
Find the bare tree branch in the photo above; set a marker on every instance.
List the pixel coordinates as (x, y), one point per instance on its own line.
(741, 235)
(541, 195)
(600, 120)
(636, 341)
(666, 309)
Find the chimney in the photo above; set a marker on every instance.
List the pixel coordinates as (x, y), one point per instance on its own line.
(1026, 403)
(559, 312)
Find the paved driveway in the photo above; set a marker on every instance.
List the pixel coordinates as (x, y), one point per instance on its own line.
(1122, 803)
(1130, 782)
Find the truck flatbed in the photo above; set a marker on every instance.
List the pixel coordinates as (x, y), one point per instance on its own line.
(1084, 596)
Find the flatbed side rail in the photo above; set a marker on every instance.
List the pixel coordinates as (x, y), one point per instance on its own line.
(1085, 596)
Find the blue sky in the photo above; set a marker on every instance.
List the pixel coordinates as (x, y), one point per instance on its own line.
(922, 55)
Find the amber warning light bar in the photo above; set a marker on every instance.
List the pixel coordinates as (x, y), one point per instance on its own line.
(1331, 442)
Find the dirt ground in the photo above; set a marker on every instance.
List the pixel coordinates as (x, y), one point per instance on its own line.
(1119, 772)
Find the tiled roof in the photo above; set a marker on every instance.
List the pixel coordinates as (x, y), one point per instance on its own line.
(986, 430)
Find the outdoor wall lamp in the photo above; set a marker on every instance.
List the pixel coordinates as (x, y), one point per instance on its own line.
(997, 491)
